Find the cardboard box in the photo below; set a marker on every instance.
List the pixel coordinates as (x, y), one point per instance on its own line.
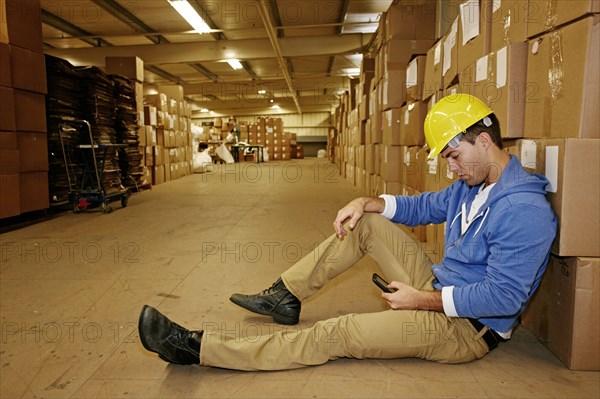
(7, 116)
(508, 23)
(8, 140)
(22, 24)
(398, 52)
(432, 82)
(33, 187)
(150, 116)
(33, 149)
(415, 76)
(9, 181)
(28, 70)
(130, 67)
(5, 70)
(393, 87)
(504, 78)
(564, 103)
(569, 165)
(413, 118)
(473, 31)
(157, 100)
(391, 163)
(176, 92)
(564, 312)
(450, 55)
(545, 15)
(392, 123)
(158, 175)
(30, 111)
(410, 20)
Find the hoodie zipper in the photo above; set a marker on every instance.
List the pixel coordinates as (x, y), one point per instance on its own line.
(480, 214)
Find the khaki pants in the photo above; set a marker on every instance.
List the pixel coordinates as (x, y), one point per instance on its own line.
(383, 335)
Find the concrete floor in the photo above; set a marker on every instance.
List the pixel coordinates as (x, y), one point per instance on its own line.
(72, 289)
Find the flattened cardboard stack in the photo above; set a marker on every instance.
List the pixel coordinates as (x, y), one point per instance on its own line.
(63, 103)
(536, 64)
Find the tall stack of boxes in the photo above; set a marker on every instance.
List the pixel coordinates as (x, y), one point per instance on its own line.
(168, 134)
(23, 134)
(536, 63)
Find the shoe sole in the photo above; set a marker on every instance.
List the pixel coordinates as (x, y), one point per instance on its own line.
(279, 319)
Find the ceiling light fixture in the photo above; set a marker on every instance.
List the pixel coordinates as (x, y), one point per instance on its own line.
(262, 91)
(190, 15)
(235, 64)
(276, 106)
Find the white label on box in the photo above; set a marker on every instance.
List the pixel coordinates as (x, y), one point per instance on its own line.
(432, 165)
(449, 173)
(384, 154)
(528, 154)
(496, 4)
(448, 44)
(552, 168)
(436, 53)
(406, 116)
(469, 17)
(481, 68)
(501, 67)
(406, 156)
(411, 74)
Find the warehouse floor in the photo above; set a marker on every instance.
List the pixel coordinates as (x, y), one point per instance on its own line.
(72, 289)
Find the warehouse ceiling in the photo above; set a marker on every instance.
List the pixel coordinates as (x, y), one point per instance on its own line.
(295, 54)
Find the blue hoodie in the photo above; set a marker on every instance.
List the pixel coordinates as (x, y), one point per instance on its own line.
(496, 266)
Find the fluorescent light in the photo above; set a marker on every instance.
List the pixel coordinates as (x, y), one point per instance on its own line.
(204, 110)
(190, 15)
(262, 91)
(235, 64)
(275, 106)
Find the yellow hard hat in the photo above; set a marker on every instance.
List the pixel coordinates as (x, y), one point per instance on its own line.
(450, 116)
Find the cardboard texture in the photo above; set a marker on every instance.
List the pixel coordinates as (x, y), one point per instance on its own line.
(391, 163)
(9, 181)
(410, 20)
(8, 140)
(415, 77)
(28, 70)
(22, 24)
(433, 71)
(33, 188)
(130, 67)
(30, 111)
(450, 55)
(5, 70)
(392, 122)
(394, 91)
(473, 38)
(564, 313)
(413, 118)
(34, 151)
(571, 167)
(501, 81)
(562, 96)
(508, 23)
(545, 15)
(7, 116)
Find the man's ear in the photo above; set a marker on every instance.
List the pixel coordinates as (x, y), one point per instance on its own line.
(485, 139)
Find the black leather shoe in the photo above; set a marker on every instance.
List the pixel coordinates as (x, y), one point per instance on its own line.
(173, 343)
(275, 301)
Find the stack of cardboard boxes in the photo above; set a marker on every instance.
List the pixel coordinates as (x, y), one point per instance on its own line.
(23, 135)
(536, 64)
(168, 137)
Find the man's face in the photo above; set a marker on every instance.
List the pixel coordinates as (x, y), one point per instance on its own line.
(468, 161)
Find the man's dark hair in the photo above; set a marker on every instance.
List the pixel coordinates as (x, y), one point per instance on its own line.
(493, 130)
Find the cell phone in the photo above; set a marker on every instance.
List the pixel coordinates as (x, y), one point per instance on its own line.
(382, 284)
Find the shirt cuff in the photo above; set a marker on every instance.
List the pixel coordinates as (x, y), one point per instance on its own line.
(390, 206)
(448, 301)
